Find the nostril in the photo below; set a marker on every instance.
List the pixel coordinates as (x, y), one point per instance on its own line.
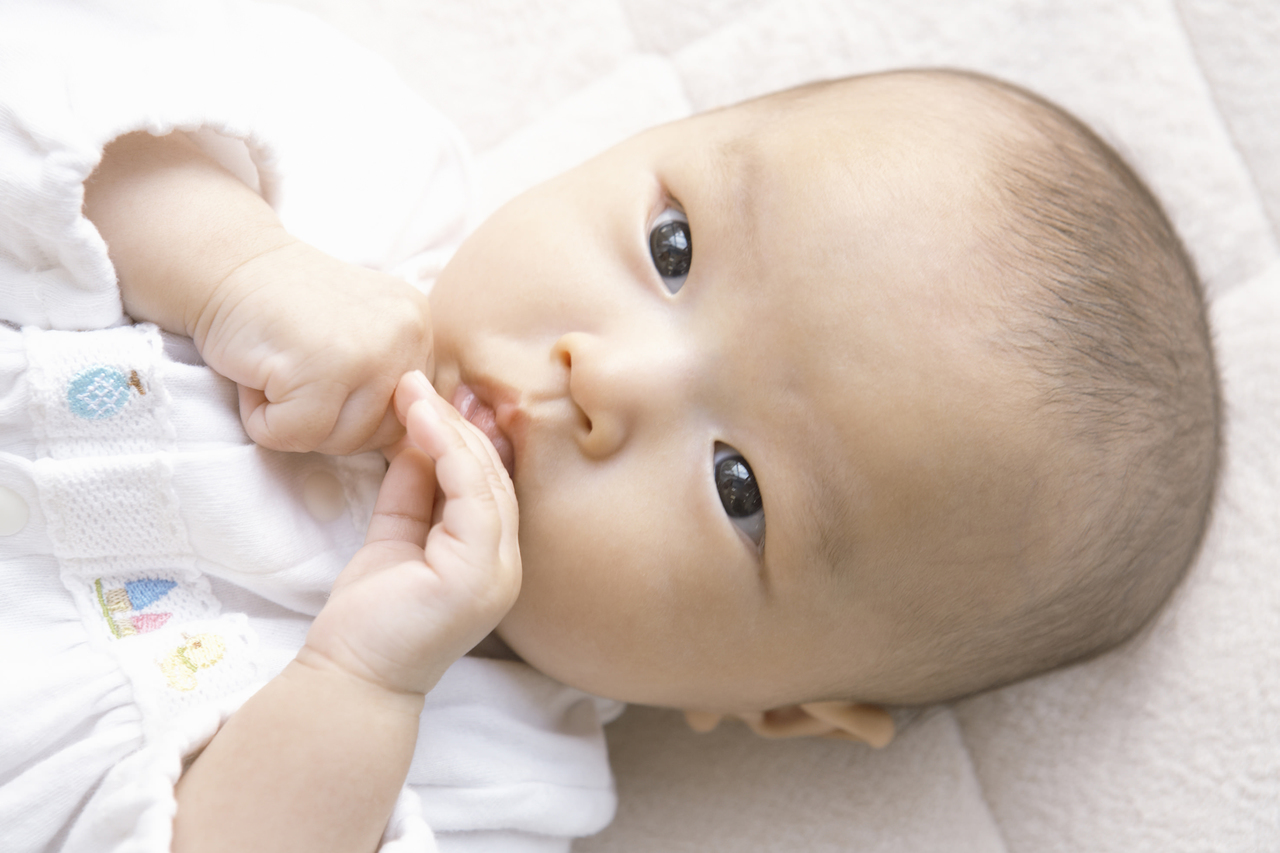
(562, 353)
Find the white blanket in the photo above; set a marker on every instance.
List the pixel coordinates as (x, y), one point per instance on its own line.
(1171, 743)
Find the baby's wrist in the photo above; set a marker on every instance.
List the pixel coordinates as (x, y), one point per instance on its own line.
(310, 666)
(408, 690)
(229, 277)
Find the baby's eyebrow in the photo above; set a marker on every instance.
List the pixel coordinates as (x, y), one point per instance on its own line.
(737, 166)
(813, 513)
(825, 517)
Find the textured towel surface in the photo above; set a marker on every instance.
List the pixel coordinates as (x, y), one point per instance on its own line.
(1171, 743)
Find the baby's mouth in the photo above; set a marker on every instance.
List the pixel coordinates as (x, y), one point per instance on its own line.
(481, 415)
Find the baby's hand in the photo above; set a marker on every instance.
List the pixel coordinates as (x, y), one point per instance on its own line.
(441, 563)
(316, 346)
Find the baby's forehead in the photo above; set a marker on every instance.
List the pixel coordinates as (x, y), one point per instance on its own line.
(957, 122)
(925, 99)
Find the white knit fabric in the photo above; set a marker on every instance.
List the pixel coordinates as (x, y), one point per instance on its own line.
(161, 566)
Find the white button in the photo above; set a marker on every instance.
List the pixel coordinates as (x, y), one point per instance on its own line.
(13, 512)
(322, 496)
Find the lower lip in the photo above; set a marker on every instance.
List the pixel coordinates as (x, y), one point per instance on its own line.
(481, 415)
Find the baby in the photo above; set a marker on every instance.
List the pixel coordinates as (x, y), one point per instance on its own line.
(874, 392)
(887, 390)
(827, 396)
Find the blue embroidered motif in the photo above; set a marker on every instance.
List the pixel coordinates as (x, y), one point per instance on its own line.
(98, 392)
(121, 605)
(147, 591)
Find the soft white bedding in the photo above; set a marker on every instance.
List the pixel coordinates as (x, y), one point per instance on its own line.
(1171, 743)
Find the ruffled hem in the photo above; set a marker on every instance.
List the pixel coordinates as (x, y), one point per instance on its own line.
(132, 810)
(90, 769)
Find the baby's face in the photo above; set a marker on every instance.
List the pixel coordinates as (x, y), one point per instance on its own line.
(774, 476)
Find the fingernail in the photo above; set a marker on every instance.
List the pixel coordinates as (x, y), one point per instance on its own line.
(419, 380)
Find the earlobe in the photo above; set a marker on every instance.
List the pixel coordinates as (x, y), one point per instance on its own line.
(869, 724)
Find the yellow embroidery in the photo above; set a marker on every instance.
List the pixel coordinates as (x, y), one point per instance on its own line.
(199, 652)
(137, 383)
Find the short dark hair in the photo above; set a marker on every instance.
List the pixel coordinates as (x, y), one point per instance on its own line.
(1112, 321)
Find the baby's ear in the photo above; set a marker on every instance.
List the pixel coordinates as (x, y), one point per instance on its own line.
(869, 724)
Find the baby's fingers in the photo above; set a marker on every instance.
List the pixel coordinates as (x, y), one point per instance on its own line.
(477, 537)
(401, 518)
(405, 500)
(479, 502)
(411, 388)
(297, 425)
(360, 427)
(325, 420)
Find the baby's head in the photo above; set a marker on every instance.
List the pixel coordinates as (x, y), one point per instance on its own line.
(888, 389)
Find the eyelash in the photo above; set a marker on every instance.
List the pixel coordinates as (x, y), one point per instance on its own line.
(672, 260)
(739, 494)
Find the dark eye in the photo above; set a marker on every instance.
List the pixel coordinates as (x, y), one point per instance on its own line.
(739, 492)
(671, 247)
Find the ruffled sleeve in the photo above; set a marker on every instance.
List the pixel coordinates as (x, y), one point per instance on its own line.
(126, 650)
(350, 158)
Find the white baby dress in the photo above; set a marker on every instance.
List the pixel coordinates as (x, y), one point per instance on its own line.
(157, 566)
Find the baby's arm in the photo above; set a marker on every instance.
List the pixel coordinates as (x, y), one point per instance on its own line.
(314, 761)
(315, 344)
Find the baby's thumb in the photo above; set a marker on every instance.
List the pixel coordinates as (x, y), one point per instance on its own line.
(287, 425)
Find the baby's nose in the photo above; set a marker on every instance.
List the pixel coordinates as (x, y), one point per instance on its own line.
(616, 385)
